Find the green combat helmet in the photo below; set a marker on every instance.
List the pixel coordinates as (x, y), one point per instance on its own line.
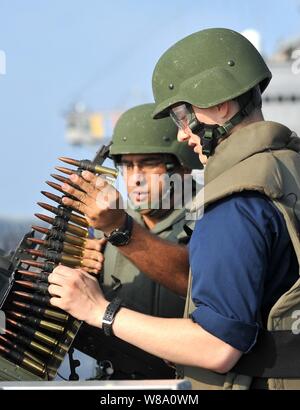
(136, 132)
(208, 68)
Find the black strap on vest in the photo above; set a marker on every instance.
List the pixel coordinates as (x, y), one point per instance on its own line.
(275, 355)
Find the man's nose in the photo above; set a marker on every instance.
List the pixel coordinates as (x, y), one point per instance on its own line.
(183, 135)
(137, 177)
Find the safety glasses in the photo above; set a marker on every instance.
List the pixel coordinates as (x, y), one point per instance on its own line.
(184, 117)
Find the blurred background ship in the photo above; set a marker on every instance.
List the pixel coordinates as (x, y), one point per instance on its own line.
(282, 97)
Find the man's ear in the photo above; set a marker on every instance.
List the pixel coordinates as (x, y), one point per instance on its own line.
(223, 109)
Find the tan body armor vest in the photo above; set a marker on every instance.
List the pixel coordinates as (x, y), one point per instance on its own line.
(262, 157)
(139, 292)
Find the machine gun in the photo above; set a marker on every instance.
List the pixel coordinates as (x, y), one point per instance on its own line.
(36, 336)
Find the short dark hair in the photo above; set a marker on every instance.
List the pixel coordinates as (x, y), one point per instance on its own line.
(254, 95)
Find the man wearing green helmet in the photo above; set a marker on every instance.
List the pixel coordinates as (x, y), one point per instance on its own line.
(240, 327)
(143, 148)
(210, 83)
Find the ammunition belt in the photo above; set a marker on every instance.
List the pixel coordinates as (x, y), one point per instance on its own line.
(36, 335)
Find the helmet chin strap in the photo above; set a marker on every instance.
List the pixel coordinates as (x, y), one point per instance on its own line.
(157, 211)
(210, 134)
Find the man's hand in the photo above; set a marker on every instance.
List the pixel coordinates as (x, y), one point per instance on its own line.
(78, 293)
(92, 259)
(163, 261)
(100, 202)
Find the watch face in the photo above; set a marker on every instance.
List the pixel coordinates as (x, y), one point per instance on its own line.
(119, 238)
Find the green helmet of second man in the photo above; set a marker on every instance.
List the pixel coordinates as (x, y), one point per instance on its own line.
(136, 132)
(207, 68)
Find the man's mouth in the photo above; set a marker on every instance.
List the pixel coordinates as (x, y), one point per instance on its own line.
(139, 196)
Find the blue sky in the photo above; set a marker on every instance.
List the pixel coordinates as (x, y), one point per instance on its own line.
(101, 53)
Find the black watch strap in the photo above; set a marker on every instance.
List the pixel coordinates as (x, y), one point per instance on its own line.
(109, 316)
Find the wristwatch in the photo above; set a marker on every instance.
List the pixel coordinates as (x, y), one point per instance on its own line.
(109, 316)
(121, 236)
